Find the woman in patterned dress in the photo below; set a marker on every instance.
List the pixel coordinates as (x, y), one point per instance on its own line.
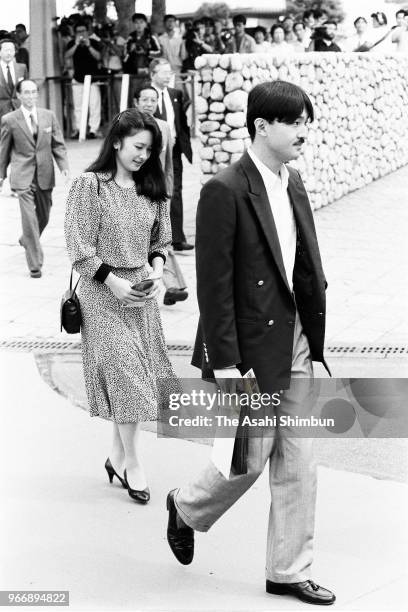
(117, 220)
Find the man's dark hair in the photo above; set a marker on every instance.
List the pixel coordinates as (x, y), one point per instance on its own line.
(359, 19)
(308, 13)
(330, 22)
(198, 22)
(169, 16)
(20, 26)
(276, 26)
(318, 14)
(298, 23)
(20, 83)
(277, 101)
(80, 24)
(139, 16)
(239, 19)
(7, 40)
(143, 87)
(260, 29)
(401, 12)
(208, 21)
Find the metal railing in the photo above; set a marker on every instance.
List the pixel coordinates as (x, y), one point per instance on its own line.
(114, 97)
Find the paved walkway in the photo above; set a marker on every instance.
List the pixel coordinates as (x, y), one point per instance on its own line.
(63, 526)
(362, 239)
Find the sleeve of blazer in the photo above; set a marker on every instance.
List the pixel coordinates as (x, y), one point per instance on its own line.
(6, 141)
(215, 237)
(58, 147)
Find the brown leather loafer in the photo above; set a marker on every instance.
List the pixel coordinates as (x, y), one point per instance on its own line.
(307, 591)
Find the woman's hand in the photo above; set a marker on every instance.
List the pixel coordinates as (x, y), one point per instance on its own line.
(122, 289)
(153, 292)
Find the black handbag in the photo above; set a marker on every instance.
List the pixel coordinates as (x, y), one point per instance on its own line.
(71, 318)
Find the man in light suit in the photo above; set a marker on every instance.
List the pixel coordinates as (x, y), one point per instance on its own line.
(171, 108)
(30, 139)
(261, 294)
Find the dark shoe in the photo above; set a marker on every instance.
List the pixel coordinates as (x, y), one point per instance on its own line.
(111, 473)
(91, 135)
(180, 539)
(21, 242)
(307, 591)
(182, 246)
(174, 295)
(35, 274)
(75, 134)
(140, 496)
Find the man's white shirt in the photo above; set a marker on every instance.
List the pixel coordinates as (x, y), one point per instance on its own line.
(4, 69)
(27, 116)
(276, 186)
(169, 109)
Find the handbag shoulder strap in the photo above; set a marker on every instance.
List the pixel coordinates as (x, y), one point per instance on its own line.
(70, 281)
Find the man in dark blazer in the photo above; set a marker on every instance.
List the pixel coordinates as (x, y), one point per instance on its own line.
(261, 294)
(171, 108)
(10, 74)
(30, 139)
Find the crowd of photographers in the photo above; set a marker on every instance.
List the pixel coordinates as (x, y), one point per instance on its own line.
(100, 50)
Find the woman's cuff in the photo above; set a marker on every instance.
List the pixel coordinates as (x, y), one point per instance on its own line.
(102, 272)
(156, 254)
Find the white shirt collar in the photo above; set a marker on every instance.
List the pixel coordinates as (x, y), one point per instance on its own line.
(27, 113)
(267, 174)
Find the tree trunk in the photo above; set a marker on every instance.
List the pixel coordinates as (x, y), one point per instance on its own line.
(124, 10)
(100, 11)
(158, 12)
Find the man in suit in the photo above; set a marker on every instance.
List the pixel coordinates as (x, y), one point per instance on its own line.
(261, 294)
(10, 74)
(30, 139)
(146, 100)
(171, 108)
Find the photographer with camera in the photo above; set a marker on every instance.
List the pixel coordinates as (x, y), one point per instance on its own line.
(194, 43)
(141, 47)
(86, 54)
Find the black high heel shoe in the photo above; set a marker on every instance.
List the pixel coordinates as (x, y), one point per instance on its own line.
(112, 473)
(140, 496)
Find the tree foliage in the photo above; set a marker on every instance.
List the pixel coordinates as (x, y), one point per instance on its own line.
(333, 8)
(216, 10)
(124, 11)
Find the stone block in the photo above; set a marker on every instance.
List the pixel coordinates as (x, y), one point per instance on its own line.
(207, 153)
(235, 120)
(234, 81)
(239, 133)
(233, 146)
(236, 100)
(219, 75)
(217, 92)
(209, 126)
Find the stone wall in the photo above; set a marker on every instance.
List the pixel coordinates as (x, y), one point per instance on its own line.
(360, 130)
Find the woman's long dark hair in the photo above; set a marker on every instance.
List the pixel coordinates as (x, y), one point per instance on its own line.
(149, 179)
